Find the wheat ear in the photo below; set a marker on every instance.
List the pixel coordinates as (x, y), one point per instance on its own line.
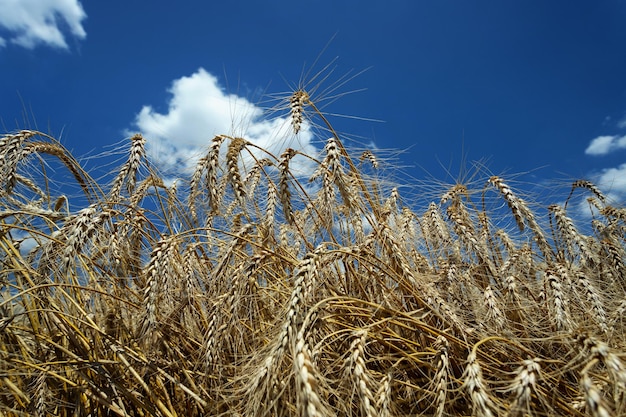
(157, 277)
(593, 297)
(297, 102)
(441, 378)
(553, 283)
(596, 404)
(362, 379)
(474, 384)
(10, 150)
(521, 212)
(212, 166)
(129, 169)
(524, 384)
(587, 185)
(383, 396)
(306, 372)
(304, 280)
(284, 195)
(235, 146)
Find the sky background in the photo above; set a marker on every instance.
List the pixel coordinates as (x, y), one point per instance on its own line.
(533, 87)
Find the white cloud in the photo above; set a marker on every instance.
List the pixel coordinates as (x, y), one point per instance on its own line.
(34, 22)
(613, 181)
(199, 109)
(603, 145)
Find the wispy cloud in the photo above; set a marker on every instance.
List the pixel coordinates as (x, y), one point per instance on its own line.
(199, 108)
(603, 145)
(33, 22)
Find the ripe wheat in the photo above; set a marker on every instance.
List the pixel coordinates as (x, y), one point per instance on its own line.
(260, 293)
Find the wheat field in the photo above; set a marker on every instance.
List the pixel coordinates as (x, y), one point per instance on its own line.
(247, 290)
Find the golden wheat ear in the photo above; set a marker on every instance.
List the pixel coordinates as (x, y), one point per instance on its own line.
(128, 171)
(297, 102)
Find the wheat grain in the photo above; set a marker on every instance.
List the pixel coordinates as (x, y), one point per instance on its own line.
(505, 239)
(60, 153)
(238, 239)
(210, 345)
(270, 212)
(521, 213)
(453, 194)
(600, 350)
(383, 396)
(194, 184)
(41, 394)
(142, 190)
(81, 228)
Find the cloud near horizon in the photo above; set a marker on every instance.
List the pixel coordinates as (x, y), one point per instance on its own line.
(198, 109)
(29, 23)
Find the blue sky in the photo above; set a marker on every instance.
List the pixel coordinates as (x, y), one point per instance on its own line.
(531, 86)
